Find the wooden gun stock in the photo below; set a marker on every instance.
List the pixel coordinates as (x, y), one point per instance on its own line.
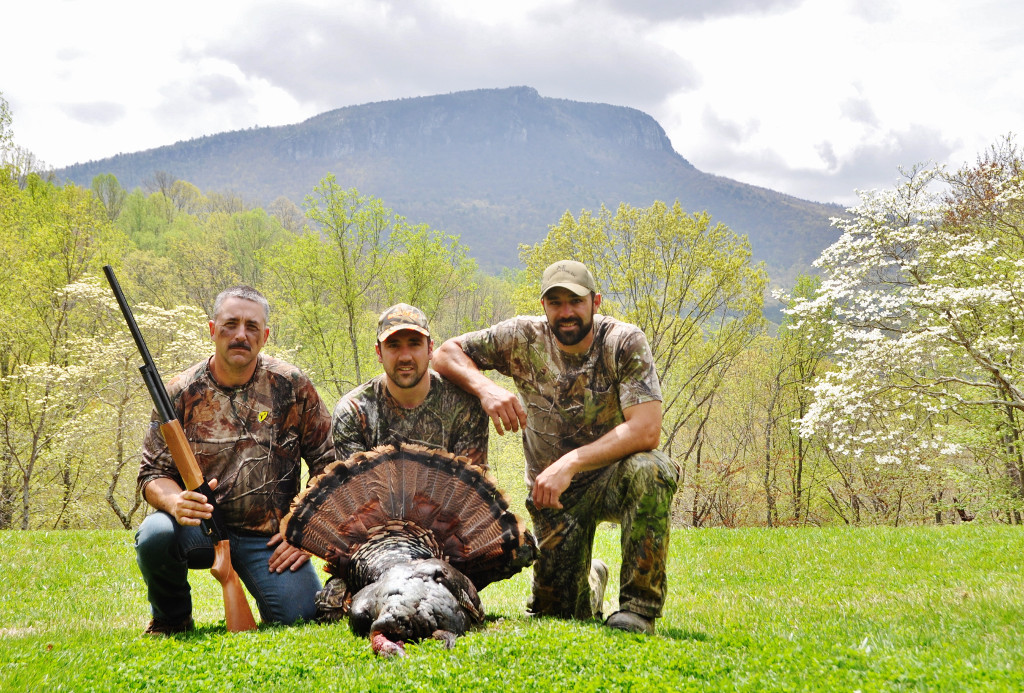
(237, 613)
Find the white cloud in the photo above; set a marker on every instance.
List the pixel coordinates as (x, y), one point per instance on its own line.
(815, 99)
(373, 56)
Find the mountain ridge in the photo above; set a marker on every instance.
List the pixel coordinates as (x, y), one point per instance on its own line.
(496, 167)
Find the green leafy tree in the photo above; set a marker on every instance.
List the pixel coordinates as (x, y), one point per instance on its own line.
(6, 130)
(246, 235)
(110, 194)
(144, 221)
(802, 358)
(56, 236)
(201, 263)
(328, 277)
(306, 313)
(432, 271)
(288, 214)
(186, 198)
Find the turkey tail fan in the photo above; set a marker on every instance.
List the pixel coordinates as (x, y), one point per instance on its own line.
(455, 501)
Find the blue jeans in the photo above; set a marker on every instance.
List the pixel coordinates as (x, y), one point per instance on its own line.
(165, 551)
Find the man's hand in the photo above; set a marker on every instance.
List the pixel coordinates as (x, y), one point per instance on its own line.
(286, 556)
(190, 508)
(501, 405)
(639, 432)
(504, 409)
(549, 484)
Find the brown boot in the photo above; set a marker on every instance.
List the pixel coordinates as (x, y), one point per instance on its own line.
(161, 627)
(633, 623)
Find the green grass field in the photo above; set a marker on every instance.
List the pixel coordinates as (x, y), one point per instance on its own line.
(936, 608)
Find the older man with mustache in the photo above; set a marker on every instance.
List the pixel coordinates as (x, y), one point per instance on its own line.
(250, 420)
(589, 406)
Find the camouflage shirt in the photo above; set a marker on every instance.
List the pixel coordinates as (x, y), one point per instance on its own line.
(449, 418)
(250, 438)
(570, 399)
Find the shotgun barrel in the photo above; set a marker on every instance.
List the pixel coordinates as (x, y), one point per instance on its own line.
(237, 612)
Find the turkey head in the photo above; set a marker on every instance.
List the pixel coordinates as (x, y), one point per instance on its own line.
(414, 533)
(425, 598)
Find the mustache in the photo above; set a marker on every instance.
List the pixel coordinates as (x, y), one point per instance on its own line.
(239, 345)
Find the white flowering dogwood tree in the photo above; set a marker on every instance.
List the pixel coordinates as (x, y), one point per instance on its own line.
(922, 309)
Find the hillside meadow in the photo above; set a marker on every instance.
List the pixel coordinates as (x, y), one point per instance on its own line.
(868, 609)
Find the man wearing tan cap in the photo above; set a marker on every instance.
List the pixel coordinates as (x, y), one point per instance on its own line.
(408, 402)
(589, 406)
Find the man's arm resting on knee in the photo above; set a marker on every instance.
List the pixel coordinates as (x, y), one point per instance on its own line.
(502, 406)
(641, 431)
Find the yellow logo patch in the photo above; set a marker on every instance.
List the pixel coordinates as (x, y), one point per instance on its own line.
(263, 415)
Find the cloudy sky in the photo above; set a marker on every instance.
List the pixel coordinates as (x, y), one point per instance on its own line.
(816, 98)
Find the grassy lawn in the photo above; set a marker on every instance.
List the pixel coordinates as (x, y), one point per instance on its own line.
(802, 609)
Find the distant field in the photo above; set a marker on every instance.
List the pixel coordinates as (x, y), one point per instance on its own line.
(930, 608)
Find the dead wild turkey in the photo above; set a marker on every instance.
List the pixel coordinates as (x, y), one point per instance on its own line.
(414, 533)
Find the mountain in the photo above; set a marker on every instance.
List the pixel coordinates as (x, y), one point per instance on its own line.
(494, 166)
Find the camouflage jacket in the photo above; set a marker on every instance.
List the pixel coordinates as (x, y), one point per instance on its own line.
(449, 418)
(570, 399)
(250, 438)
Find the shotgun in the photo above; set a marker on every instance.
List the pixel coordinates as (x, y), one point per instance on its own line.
(237, 613)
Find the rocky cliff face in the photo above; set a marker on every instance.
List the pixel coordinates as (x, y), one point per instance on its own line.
(491, 119)
(480, 126)
(495, 166)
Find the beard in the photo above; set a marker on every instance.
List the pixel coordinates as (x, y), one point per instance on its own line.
(572, 331)
(407, 380)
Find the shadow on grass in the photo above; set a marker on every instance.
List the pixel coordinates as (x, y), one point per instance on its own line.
(673, 633)
(670, 633)
(218, 629)
(198, 632)
(596, 625)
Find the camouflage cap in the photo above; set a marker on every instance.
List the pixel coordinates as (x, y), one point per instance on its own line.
(568, 274)
(401, 316)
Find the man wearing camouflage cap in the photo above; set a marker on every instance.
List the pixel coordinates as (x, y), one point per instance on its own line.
(251, 421)
(408, 402)
(590, 408)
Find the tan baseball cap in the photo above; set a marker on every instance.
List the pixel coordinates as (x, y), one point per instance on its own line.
(401, 316)
(568, 274)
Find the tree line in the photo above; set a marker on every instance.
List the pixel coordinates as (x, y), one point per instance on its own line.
(889, 394)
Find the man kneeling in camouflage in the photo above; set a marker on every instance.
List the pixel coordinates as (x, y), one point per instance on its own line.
(407, 403)
(591, 422)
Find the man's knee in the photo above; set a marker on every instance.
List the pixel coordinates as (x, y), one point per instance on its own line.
(652, 472)
(161, 541)
(294, 598)
(155, 539)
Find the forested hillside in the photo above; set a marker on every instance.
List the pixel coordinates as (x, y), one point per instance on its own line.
(495, 167)
(891, 394)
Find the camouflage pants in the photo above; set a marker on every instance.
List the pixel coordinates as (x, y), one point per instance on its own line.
(637, 493)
